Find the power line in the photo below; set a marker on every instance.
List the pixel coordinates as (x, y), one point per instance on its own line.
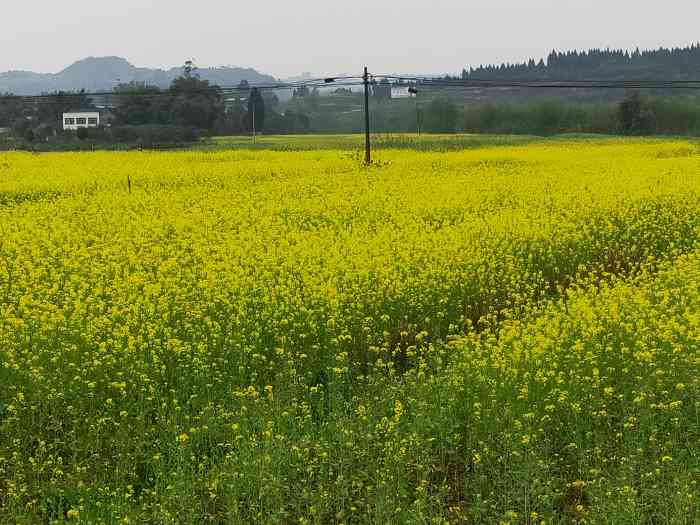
(357, 81)
(546, 83)
(328, 82)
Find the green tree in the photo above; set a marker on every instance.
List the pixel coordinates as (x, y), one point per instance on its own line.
(234, 121)
(53, 106)
(635, 115)
(256, 111)
(11, 109)
(139, 104)
(441, 116)
(20, 126)
(195, 102)
(189, 69)
(301, 92)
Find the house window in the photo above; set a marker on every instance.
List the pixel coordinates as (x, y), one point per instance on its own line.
(81, 121)
(92, 121)
(70, 121)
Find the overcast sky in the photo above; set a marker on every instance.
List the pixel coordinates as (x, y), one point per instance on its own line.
(285, 38)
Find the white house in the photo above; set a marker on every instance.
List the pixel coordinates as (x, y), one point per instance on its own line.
(81, 119)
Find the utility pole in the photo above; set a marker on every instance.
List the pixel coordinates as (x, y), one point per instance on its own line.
(252, 102)
(368, 147)
(413, 91)
(418, 115)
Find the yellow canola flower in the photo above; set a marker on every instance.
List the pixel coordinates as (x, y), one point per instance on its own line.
(226, 276)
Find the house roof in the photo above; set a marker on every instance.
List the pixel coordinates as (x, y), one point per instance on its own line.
(81, 113)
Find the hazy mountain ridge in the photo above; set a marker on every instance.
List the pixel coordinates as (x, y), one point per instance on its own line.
(103, 73)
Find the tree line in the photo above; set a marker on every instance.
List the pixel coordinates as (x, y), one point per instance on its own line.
(138, 112)
(192, 107)
(681, 63)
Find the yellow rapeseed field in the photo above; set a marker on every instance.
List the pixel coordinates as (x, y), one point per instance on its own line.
(506, 334)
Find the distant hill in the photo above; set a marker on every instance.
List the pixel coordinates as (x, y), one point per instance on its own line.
(103, 73)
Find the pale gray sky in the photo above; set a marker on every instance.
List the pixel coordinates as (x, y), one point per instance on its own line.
(287, 37)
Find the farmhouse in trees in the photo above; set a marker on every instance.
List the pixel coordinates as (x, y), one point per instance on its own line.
(83, 119)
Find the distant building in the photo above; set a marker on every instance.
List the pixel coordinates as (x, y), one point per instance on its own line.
(401, 92)
(81, 119)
